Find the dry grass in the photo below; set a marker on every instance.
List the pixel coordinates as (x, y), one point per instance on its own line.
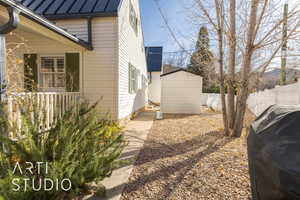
(187, 157)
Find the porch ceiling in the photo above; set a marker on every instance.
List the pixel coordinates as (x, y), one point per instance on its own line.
(35, 23)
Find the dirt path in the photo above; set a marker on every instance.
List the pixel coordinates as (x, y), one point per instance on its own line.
(186, 157)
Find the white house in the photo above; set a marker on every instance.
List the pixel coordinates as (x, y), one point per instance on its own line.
(154, 63)
(181, 92)
(91, 48)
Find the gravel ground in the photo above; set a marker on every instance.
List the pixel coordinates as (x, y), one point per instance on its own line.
(186, 157)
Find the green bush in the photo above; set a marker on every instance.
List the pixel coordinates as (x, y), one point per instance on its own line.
(79, 147)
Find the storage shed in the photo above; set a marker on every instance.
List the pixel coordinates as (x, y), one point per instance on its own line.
(181, 92)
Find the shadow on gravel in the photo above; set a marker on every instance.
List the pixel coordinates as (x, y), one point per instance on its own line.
(203, 146)
(154, 149)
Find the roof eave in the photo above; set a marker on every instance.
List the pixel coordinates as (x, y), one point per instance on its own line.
(178, 70)
(44, 22)
(81, 15)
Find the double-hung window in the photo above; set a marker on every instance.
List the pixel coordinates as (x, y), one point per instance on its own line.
(52, 72)
(133, 82)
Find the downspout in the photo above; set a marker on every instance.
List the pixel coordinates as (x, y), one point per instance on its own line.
(90, 31)
(5, 29)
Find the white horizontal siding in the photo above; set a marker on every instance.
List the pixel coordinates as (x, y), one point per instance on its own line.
(77, 27)
(131, 50)
(100, 65)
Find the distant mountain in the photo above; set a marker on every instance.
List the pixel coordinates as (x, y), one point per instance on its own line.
(271, 78)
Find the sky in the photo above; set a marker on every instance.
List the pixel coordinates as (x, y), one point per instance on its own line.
(155, 31)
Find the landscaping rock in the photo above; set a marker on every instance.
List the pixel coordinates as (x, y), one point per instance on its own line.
(187, 157)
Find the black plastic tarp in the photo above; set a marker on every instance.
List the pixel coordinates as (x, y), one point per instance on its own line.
(274, 154)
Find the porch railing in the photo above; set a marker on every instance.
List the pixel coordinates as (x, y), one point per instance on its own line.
(52, 105)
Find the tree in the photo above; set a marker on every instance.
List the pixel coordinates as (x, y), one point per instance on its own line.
(202, 59)
(248, 39)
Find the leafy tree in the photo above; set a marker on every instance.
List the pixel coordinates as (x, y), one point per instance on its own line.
(201, 59)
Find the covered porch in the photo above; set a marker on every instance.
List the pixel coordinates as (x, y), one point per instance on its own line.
(39, 60)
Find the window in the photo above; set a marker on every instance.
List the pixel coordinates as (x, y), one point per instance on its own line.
(133, 18)
(133, 74)
(52, 72)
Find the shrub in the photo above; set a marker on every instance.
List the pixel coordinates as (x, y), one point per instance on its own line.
(79, 147)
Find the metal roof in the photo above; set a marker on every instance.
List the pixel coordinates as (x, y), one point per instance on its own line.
(154, 58)
(55, 9)
(44, 22)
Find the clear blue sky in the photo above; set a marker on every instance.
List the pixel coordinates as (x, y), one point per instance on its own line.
(155, 32)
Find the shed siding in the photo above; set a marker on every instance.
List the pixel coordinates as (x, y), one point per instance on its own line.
(131, 50)
(100, 66)
(181, 93)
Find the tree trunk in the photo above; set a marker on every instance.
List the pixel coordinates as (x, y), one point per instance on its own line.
(220, 16)
(244, 93)
(231, 65)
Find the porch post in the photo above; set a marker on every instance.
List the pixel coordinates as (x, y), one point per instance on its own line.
(5, 29)
(2, 65)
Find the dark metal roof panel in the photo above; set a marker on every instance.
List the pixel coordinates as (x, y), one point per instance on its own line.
(112, 5)
(42, 8)
(35, 4)
(27, 2)
(154, 58)
(72, 8)
(77, 6)
(101, 5)
(54, 7)
(88, 6)
(65, 7)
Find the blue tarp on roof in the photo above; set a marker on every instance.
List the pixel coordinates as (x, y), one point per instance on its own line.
(68, 8)
(154, 58)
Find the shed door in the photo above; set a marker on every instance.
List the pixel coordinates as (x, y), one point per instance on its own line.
(181, 93)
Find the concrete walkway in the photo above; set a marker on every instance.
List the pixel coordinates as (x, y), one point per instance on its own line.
(136, 133)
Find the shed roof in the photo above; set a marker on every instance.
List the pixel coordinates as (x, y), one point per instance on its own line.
(56, 9)
(178, 70)
(154, 58)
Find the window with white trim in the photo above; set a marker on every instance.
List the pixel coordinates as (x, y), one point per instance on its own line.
(133, 74)
(133, 18)
(52, 72)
